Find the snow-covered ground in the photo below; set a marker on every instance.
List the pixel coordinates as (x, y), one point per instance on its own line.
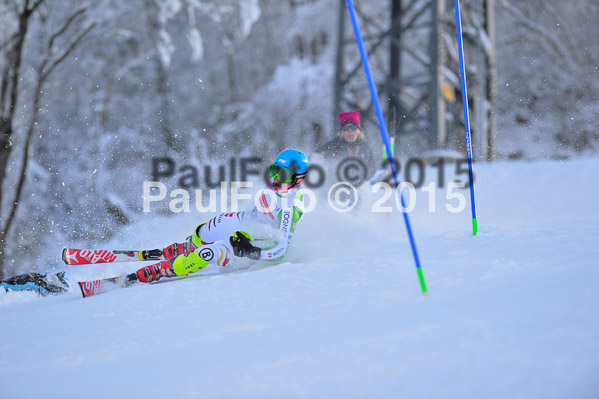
(511, 313)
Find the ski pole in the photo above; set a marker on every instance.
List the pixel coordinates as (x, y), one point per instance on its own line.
(466, 117)
(384, 135)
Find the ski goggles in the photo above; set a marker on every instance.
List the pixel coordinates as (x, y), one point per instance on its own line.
(352, 127)
(284, 175)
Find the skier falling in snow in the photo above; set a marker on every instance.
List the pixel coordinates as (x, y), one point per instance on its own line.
(224, 237)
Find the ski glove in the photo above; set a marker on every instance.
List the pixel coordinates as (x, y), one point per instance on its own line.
(242, 246)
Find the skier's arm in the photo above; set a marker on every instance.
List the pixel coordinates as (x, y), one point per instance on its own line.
(243, 247)
(285, 228)
(289, 219)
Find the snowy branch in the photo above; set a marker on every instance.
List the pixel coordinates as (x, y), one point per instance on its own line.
(568, 35)
(9, 41)
(67, 51)
(528, 23)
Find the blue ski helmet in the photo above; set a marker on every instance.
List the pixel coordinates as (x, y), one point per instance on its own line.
(291, 167)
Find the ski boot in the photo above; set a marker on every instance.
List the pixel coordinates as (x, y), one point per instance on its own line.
(190, 245)
(152, 273)
(174, 250)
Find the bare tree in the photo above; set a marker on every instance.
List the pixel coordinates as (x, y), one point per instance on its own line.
(9, 88)
(552, 56)
(10, 78)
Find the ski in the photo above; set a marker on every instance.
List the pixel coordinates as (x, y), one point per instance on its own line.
(72, 256)
(95, 287)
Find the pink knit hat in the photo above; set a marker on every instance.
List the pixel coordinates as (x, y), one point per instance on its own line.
(349, 117)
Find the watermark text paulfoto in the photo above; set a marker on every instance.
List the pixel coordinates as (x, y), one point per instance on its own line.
(341, 197)
(353, 170)
(223, 185)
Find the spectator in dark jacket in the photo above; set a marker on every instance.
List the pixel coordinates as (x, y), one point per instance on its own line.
(350, 143)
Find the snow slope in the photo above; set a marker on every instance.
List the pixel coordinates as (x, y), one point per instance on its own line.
(511, 312)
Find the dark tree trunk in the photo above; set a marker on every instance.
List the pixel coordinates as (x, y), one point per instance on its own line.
(51, 60)
(8, 103)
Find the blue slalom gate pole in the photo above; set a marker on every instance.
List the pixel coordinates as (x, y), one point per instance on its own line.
(384, 135)
(466, 117)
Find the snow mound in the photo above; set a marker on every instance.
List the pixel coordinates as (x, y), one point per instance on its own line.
(511, 312)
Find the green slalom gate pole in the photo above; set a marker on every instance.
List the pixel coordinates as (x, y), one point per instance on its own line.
(385, 136)
(466, 117)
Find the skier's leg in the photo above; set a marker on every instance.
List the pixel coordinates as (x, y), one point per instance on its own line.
(176, 249)
(209, 244)
(218, 253)
(221, 227)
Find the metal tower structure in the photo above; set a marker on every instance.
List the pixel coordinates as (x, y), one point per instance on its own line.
(412, 48)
